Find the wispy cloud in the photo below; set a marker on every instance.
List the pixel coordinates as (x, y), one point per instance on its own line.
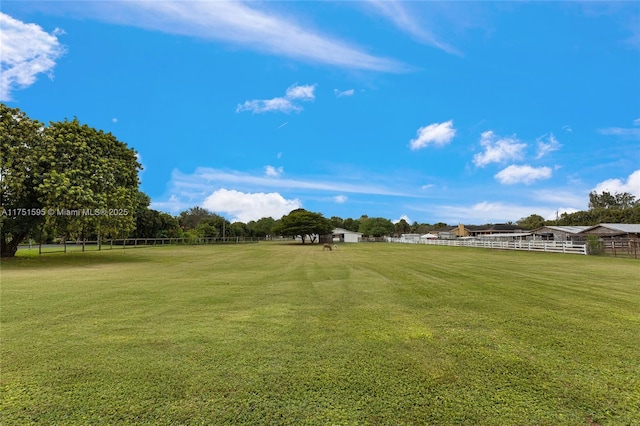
(487, 212)
(246, 24)
(630, 132)
(282, 104)
(496, 212)
(558, 196)
(547, 147)
(342, 93)
(438, 134)
(403, 18)
(186, 190)
(204, 180)
(27, 50)
(522, 174)
(174, 204)
(498, 149)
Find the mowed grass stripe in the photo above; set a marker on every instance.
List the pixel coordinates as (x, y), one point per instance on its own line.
(288, 334)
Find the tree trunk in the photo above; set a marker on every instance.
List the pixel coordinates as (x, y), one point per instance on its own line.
(9, 248)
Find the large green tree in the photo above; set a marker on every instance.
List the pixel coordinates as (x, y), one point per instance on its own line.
(402, 227)
(533, 221)
(606, 200)
(605, 207)
(67, 176)
(22, 162)
(191, 218)
(304, 224)
(376, 226)
(152, 223)
(261, 228)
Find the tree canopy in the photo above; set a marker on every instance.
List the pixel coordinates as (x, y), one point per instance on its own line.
(67, 176)
(376, 226)
(303, 223)
(533, 221)
(606, 200)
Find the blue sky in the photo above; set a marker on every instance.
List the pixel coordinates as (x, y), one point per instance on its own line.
(456, 112)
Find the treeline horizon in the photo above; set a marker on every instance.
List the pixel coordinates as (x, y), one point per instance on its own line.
(199, 222)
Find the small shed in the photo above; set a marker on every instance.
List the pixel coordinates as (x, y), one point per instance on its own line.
(341, 235)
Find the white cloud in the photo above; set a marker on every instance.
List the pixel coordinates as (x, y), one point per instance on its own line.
(273, 171)
(567, 129)
(342, 93)
(621, 131)
(498, 149)
(545, 148)
(636, 122)
(522, 174)
(247, 24)
(245, 207)
(340, 199)
(114, 120)
(427, 186)
(631, 185)
(283, 104)
(304, 93)
(27, 50)
(405, 217)
(268, 105)
(434, 134)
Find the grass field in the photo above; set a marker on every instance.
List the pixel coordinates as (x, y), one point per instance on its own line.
(379, 334)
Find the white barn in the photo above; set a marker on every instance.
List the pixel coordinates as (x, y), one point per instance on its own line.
(341, 235)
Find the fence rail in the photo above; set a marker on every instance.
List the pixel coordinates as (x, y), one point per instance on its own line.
(544, 246)
(129, 243)
(625, 247)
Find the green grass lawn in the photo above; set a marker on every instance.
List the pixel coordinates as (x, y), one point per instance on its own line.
(267, 333)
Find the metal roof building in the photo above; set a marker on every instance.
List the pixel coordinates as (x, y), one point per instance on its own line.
(629, 230)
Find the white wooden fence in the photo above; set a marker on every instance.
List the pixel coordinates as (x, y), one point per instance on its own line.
(546, 246)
